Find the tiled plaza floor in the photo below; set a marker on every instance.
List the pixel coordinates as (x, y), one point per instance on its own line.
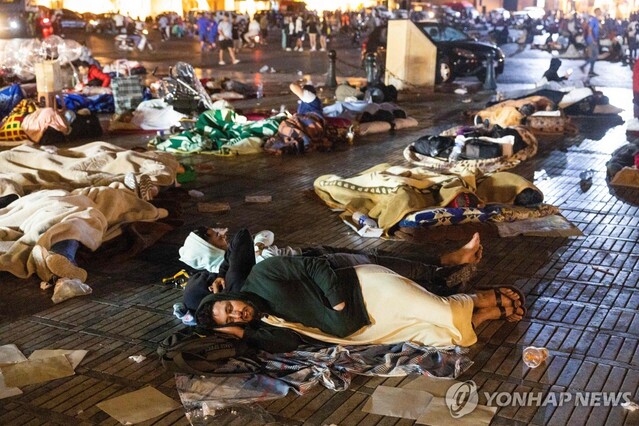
(588, 319)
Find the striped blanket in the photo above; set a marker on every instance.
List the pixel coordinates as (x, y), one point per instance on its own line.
(222, 130)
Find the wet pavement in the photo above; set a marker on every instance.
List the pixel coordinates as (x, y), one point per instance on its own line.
(581, 292)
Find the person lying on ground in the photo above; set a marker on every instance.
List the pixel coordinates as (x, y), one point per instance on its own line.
(287, 299)
(41, 232)
(442, 275)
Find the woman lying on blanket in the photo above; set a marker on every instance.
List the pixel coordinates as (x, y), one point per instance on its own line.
(286, 299)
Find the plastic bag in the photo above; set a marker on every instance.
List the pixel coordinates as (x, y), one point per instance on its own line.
(66, 288)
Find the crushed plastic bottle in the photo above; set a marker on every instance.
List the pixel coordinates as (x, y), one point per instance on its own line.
(533, 357)
(361, 219)
(260, 91)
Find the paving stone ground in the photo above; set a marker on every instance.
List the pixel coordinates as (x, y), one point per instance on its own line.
(588, 319)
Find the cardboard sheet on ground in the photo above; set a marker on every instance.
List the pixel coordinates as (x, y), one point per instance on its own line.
(549, 226)
(437, 412)
(10, 354)
(75, 357)
(6, 392)
(36, 371)
(139, 406)
(397, 402)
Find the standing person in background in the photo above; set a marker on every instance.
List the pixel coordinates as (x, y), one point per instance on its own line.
(118, 20)
(212, 34)
(264, 28)
(592, 43)
(163, 26)
(225, 38)
(236, 32)
(312, 30)
(290, 28)
(325, 31)
(631, 34)
(203, 23)
(299, 33)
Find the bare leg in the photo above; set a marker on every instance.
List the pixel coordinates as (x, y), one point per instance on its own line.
(487, 298)
(469, 253)
(513, 314)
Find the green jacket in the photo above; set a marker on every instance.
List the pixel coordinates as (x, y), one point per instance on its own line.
(297, 289)
(305, 289)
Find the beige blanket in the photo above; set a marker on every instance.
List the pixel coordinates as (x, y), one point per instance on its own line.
(388, 193)
(25, 169)
(89, 215)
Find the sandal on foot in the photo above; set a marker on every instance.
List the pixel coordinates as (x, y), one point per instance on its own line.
(499, 294)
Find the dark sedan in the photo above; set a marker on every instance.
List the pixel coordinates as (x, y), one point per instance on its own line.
(459, 55)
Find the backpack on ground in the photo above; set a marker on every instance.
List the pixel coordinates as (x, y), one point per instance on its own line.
(191, 351)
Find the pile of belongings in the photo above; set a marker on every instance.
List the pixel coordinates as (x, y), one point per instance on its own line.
(390, 194)
(154, 114)
(623, 166)
(489, 149)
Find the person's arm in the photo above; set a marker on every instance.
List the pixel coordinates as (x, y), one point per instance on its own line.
(317, 270)
(297, 90)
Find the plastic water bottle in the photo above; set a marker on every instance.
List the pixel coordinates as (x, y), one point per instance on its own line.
(457, 149)
(260, 91)
(533, 357)
(361, 219)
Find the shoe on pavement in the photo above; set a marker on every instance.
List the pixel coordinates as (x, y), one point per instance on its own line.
(301, 49)
(313, 50)
(221, 63)
(582, 67)
(322, 50)
(62, 267)
(237, 61)
(288, 49)
(592, 74)
(39, 254)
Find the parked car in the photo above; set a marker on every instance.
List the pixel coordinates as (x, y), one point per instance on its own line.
(459, 55)
(66, 19)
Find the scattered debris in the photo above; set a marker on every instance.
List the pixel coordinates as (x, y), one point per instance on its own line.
(630, 405)
(461, 91)
(264, 68)
(194, 193)
(467, 100)
(213, 207)
(45, 285)
(137, 358)
(258, 198)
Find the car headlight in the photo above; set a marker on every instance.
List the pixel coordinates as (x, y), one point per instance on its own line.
(464, 53)
(93, 22)
(13, 25)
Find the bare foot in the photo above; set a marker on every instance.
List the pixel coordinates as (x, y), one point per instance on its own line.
(470, 253)
(488, 298)
(512, 314)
